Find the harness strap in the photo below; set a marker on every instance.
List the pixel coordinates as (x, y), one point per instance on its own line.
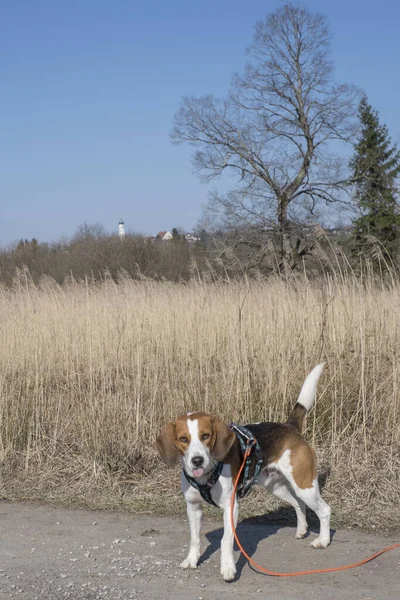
(247, 442)
(205, 489)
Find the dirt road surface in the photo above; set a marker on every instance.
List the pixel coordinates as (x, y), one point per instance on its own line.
(52, 553)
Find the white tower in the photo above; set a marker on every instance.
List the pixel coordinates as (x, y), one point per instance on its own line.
(121, 229)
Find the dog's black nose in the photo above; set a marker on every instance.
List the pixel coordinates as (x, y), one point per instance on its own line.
(197, 461)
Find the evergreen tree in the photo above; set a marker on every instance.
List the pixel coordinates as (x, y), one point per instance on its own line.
(375, 167)
(175, 234)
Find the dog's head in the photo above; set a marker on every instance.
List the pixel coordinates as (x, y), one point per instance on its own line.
(199, 439)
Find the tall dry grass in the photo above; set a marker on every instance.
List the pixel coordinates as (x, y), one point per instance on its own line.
(89, 373)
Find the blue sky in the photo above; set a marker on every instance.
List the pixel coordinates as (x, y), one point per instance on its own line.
(89, 88)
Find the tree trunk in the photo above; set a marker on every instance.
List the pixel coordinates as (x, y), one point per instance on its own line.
(283, 232)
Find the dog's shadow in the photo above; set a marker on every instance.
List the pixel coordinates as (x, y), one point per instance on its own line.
(253, 530)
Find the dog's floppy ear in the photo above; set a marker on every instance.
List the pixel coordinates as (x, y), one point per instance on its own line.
(223, 439)
(166, 444)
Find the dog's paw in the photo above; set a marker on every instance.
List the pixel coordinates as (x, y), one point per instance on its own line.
(228, 570)
(189, 563)
(300, 534)
(320, 543)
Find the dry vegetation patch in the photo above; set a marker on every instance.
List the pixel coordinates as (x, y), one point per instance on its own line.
(90, 372)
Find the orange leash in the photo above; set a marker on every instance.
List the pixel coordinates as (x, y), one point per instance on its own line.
(295, 574)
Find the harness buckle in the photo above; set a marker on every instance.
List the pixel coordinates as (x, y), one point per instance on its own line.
(244, 433)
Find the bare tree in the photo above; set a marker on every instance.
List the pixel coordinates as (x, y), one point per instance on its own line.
(92, 231)
(274, 130)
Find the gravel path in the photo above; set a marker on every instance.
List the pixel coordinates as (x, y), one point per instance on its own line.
(53, 553)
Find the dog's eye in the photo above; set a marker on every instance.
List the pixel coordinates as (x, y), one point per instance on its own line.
(205, 436)
(183, 440)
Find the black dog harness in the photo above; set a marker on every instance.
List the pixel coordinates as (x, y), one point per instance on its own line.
(205, 489)
(246, 440)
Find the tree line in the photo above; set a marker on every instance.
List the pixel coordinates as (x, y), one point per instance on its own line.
(95, 255)
(222, 255)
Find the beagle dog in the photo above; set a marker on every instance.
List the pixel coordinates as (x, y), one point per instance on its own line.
(288, 470)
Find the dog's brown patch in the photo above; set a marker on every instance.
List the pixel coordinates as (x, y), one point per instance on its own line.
(223, 439)
(304, 465)
(182, 435)
(165, 444)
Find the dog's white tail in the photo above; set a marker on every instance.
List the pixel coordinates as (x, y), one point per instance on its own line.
(307, 394)
(306, 399)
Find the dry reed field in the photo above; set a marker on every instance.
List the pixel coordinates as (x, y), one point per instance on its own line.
(90, 372)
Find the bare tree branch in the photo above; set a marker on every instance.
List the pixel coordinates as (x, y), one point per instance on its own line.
(274, 129)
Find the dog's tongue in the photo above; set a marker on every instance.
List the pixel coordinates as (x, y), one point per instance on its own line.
(198, 472)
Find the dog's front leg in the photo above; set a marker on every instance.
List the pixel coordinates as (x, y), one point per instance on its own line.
(228, 567)
(194, 514)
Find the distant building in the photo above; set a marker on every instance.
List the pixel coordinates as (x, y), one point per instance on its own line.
(189, 237)
(121, 229)
(164, 235)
